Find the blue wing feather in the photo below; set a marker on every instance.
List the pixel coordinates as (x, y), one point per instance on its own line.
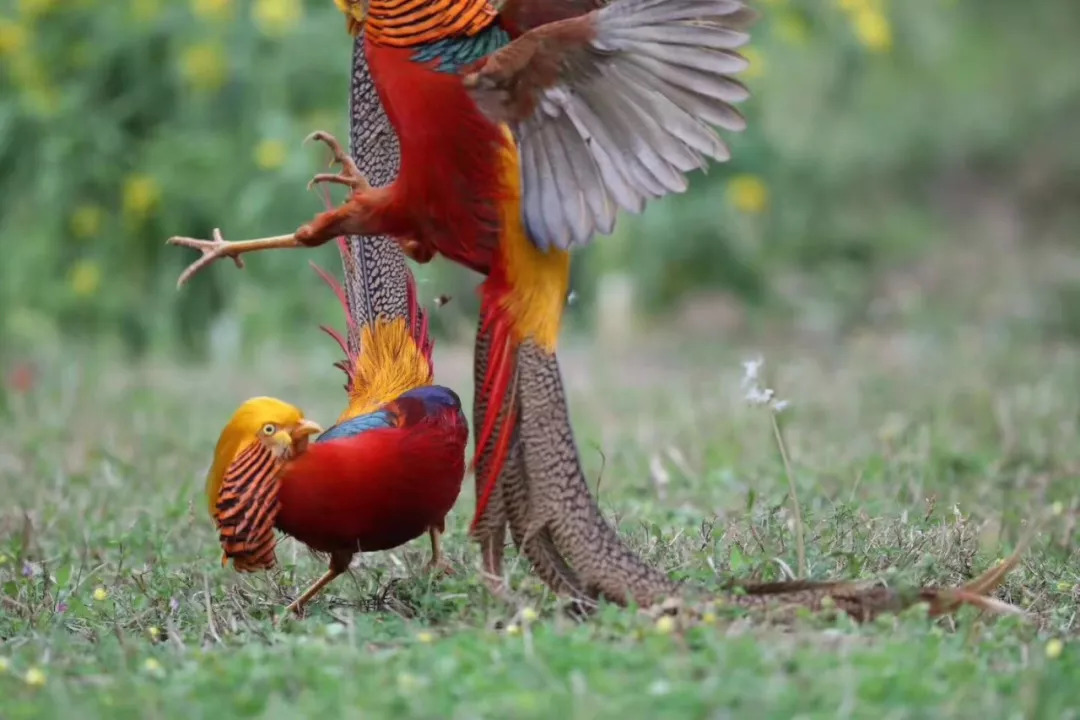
(352, 427)
(408, 408)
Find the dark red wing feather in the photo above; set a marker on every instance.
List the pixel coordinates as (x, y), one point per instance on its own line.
(519, 16)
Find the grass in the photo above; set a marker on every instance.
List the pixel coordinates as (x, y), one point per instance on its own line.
(916, 457)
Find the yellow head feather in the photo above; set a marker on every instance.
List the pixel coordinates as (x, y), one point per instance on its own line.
(391, 364)
(259, 419)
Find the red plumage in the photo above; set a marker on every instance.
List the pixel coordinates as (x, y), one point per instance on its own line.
(378, 478)
(447, 193)
(376, 490)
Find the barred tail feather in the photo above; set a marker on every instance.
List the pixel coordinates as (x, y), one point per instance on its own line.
(498, 387)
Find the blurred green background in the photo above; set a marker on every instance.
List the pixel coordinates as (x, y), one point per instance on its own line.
(889, 141)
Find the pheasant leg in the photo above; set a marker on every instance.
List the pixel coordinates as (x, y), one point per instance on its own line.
(297, 605)
(438, 561)
(218, 247)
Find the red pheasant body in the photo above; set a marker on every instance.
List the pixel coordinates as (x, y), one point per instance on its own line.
(379, 488)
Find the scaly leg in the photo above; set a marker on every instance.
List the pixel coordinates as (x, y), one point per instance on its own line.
(218, 247)
(310, 235)
(297, 606)
(438, 561)
(339, 563)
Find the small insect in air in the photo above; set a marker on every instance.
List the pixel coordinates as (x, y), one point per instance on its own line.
(442, 300)
(571, 297)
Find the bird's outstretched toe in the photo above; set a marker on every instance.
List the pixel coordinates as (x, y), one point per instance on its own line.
(212, 250)
(218, 247)
(349, 176)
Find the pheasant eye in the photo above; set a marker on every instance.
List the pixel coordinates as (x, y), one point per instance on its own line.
(269, 429)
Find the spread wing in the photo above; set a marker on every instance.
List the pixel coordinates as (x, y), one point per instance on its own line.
(614, 107)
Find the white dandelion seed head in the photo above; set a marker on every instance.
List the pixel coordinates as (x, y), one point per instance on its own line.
(751, 370)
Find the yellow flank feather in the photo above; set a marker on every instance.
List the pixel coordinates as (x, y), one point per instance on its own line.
(538, 280)
(242, 431)
(390, 364)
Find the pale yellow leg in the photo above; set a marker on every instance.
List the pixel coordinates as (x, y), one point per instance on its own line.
(218, 247)
(438, 561)
(297, 606)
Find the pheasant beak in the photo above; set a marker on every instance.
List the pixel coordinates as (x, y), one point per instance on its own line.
(304, 428)
(299, 436)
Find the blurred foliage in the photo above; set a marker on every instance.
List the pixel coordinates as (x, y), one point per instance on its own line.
(127, 121)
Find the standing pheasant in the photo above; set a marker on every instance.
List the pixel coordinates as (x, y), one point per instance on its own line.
(388, 471)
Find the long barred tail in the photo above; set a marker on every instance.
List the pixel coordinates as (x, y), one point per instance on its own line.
(506, 501)
(497, 388)
(376, 276)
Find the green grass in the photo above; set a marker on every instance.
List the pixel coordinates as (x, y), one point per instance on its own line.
(916, 458)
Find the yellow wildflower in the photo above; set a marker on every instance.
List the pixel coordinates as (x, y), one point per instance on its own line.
(873, 30)
(13, 37)
(5, 664)
(100, 593)
(212, 9)
(152, 666)
(85, 280)
(145, 11)
(33, 8)
(153, 632)
(270, 154)
(141, 196)
(756, 60)
(203, 65)
(709, 618)
(425, 637)
(529, 615)
(665, 624)
(513, 629)
(276, 17)
(1054, 648)
(86, 220)
(34, 677)
(748, 194)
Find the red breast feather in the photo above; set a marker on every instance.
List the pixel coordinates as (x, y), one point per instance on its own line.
(376, 490)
